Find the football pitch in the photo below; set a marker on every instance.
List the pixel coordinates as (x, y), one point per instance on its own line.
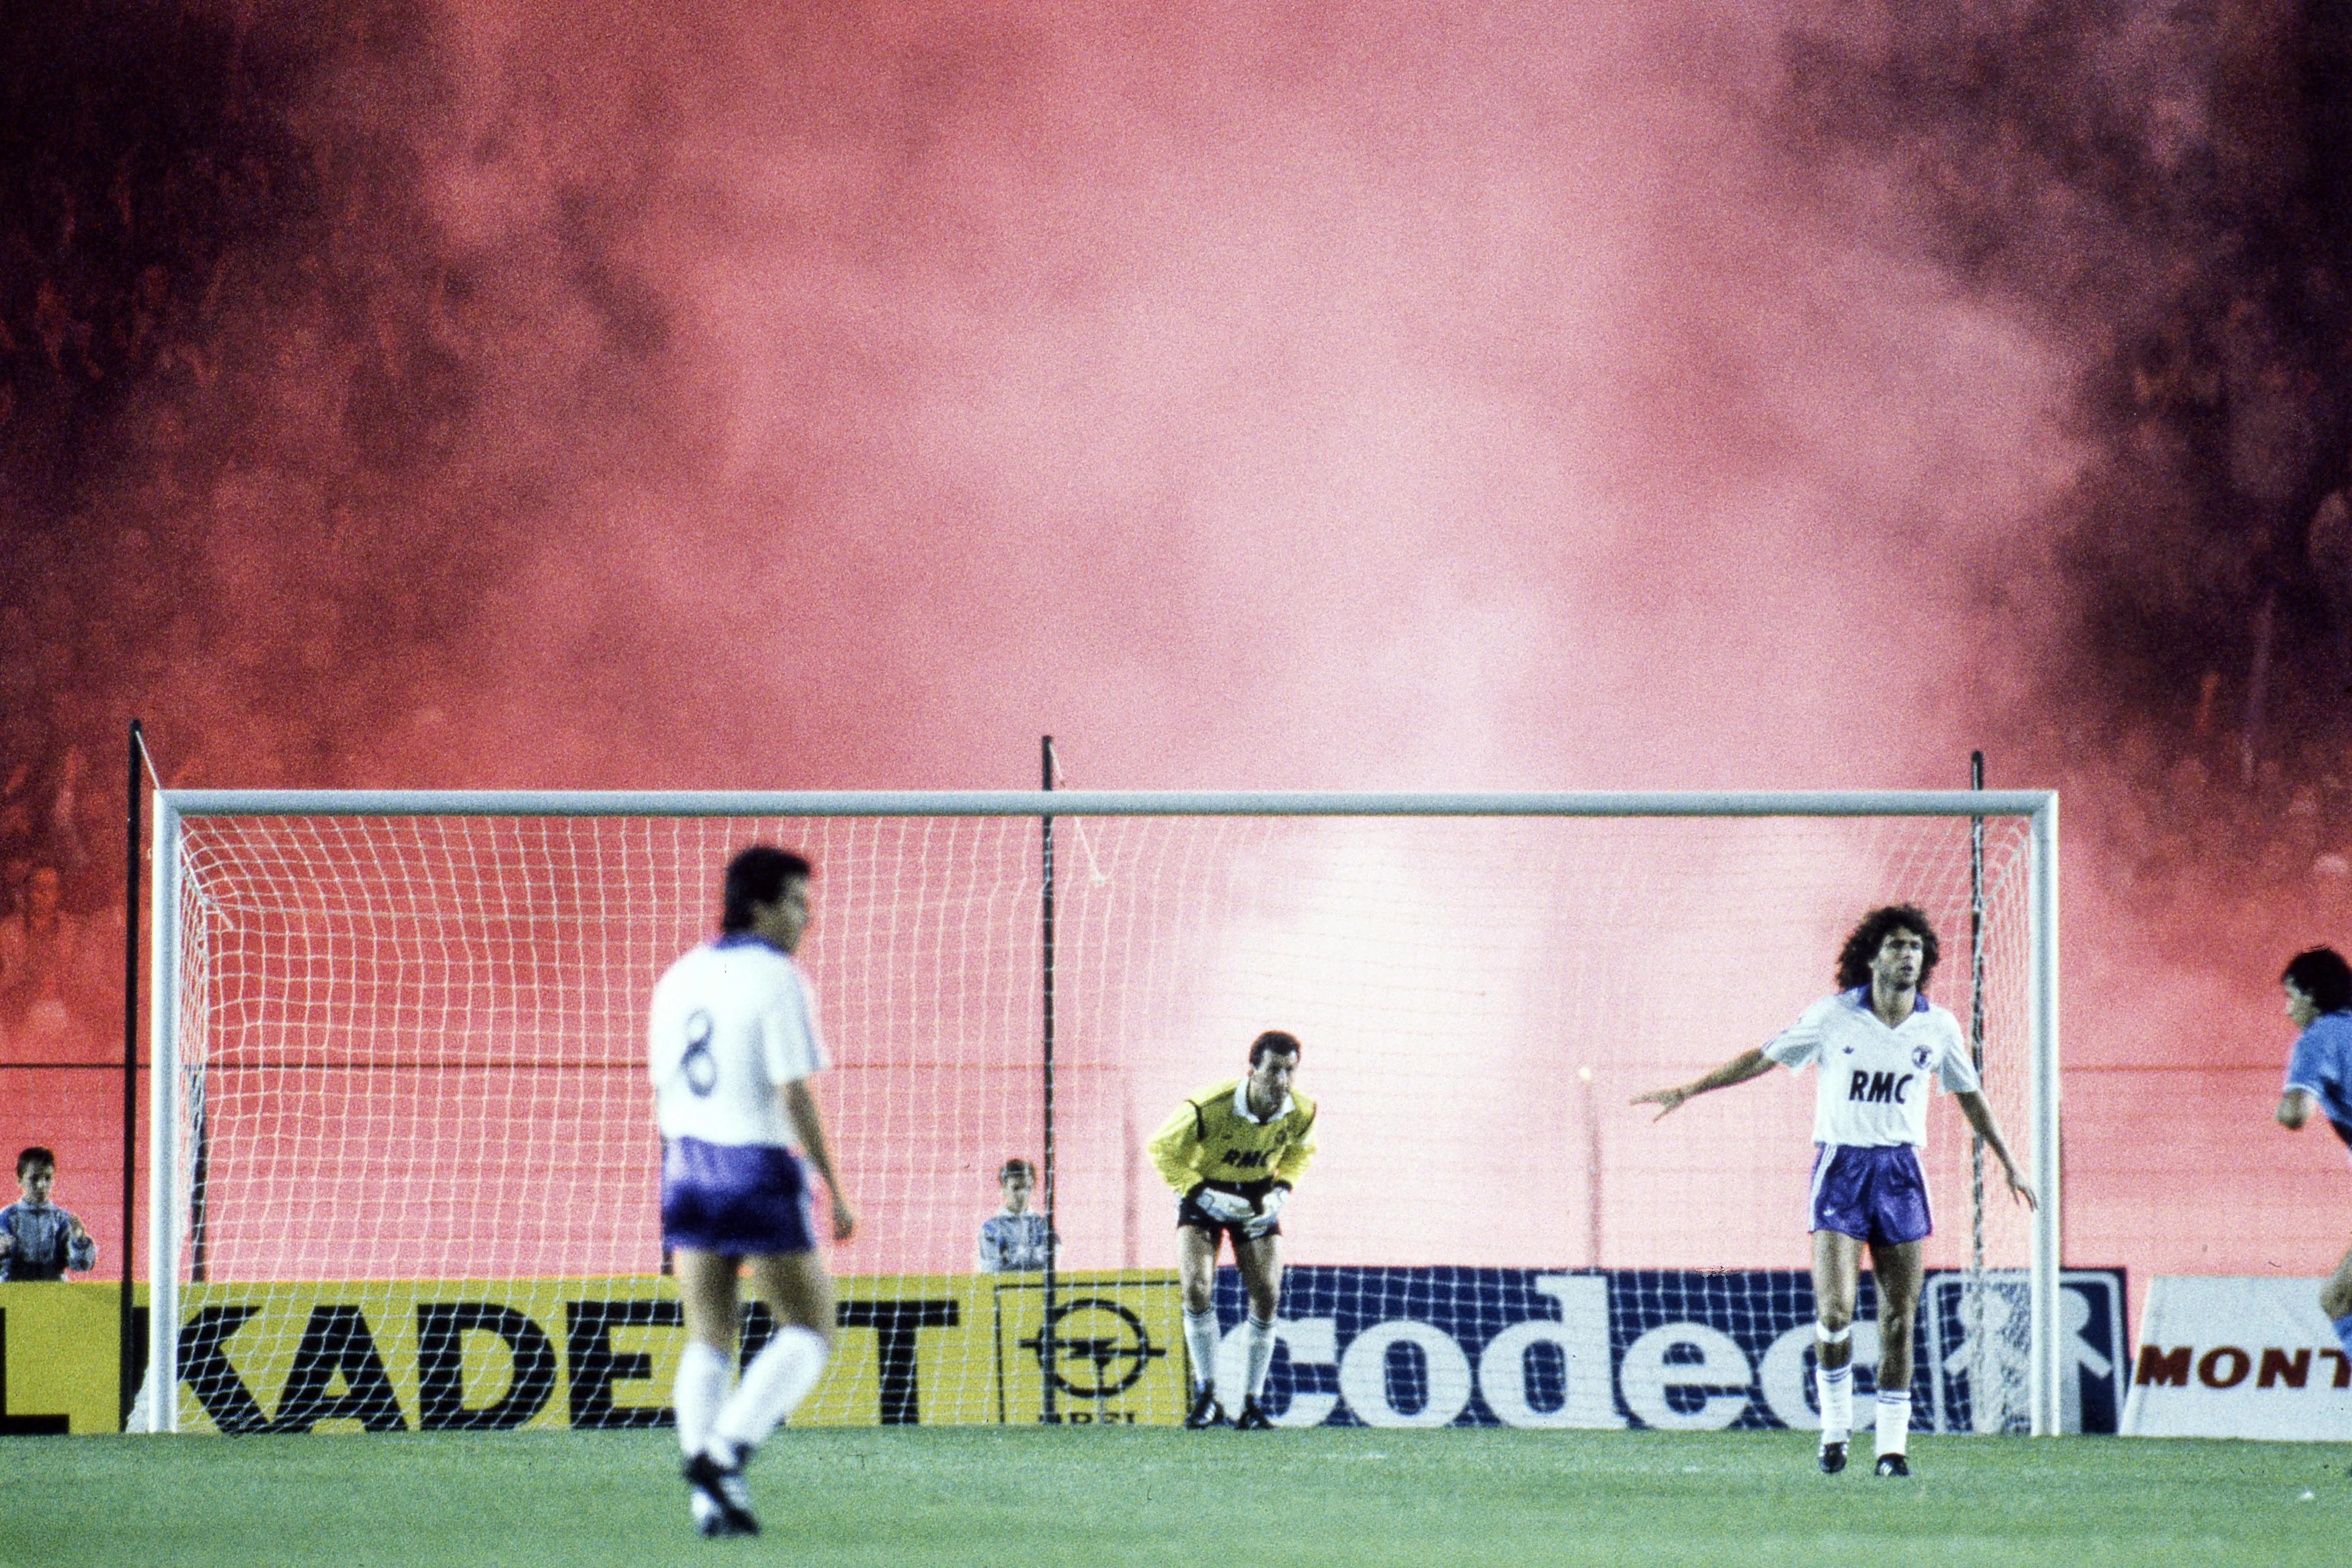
(993, 1496)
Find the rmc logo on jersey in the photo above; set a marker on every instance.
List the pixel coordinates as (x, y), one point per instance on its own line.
(1878, 1088)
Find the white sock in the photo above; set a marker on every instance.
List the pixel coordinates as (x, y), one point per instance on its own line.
(778, 1379)
(1834, 1389)
(701, 1388)
(1259, 1342)
(1893, 1421)
(1201, 1339)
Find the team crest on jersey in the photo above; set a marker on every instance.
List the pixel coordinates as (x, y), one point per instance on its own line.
(1919, 1054)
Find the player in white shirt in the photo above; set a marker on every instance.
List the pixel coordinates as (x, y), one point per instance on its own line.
(1879, 1048)
(731, 1041)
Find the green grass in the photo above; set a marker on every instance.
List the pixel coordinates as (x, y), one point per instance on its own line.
(1012, 1498)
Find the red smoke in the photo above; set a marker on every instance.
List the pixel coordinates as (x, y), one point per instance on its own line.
(719, 395)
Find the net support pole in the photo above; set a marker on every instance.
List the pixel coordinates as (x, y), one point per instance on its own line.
(2048, 1330)
(126, 1334)
(162, 1157)
(1045, 1351)
(1981, 1364)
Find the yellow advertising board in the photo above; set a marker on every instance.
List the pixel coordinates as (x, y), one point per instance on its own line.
(409, 1355)
(60, 1352)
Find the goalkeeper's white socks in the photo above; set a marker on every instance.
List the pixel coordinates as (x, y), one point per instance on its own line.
(778, 1379)
(1259, 1342)
(1834, 1389)
(1893, 1421)
(701, 1389)
(1201, 1339)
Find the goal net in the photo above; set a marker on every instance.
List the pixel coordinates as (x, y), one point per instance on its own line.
(406, 1168)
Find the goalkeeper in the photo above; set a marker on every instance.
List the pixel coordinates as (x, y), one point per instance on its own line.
(1232, 1153)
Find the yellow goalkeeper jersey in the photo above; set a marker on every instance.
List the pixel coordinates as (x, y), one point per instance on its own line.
(1213, 1137)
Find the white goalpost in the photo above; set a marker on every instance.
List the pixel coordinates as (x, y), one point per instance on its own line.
(404, 1166)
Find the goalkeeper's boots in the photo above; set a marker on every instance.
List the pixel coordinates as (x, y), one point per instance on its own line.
(1893, 1465)
(1252, 1419)
(1206, 1411)
(722, 1503)
(1832, 1458)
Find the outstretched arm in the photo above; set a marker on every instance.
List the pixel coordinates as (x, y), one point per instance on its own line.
(1750, 1063)
(1979, 1115)
(2294, 1110)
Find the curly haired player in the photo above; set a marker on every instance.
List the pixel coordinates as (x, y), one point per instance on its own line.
(1879, 1047)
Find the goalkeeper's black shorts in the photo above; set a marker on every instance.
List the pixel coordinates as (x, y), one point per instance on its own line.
(1191, 1216)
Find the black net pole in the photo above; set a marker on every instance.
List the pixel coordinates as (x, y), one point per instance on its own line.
(128, 1346)
(1977, 1371)
(1046, 1351)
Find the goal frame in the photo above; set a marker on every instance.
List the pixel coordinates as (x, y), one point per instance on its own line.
(2039, 807)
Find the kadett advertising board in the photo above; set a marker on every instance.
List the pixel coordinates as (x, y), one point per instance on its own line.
(395, 1356)
(383, 1356)
(2227, 1356)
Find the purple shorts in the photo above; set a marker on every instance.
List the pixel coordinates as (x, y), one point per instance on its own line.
(1876, 1194)
(742, 1200)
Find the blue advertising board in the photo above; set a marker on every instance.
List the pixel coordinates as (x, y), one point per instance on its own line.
(1673, 1349)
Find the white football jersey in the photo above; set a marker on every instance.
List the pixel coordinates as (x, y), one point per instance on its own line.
(732, 1023)
(1874, 1081)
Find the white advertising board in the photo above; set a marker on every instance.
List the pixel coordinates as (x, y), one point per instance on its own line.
(2225, 1356)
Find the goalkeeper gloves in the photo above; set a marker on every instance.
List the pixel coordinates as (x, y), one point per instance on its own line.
(1267, 1207)
(1228, 1208)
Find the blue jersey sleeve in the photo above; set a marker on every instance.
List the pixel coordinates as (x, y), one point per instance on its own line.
(2321, 1067)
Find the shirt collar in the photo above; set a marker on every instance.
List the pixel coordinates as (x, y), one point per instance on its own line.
(744, 939)
(1241, 1105)
(1860, 998)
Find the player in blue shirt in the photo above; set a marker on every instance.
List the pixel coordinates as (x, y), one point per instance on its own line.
(2318, 985)
(38, 1240)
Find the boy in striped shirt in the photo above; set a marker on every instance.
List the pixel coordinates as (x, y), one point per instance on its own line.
(1015, 1237)
(38, 1240)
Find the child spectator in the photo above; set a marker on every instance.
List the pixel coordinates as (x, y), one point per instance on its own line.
(1015, 1236)
(38, 1240)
